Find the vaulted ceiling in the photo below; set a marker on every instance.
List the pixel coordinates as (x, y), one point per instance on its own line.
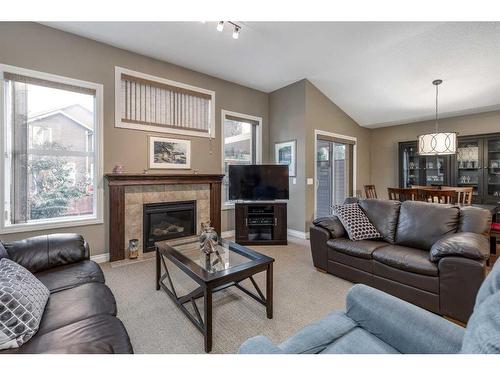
(379, 73)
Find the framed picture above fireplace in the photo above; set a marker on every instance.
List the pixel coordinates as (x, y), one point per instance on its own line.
(169, 153)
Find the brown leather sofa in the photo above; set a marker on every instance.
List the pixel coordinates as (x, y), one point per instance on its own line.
(80, 315)
(431, 255)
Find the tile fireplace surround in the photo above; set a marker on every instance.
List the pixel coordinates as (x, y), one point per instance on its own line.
(129, 192)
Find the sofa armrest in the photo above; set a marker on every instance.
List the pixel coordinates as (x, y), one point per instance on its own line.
(321, 230)
(406, 327)
(459, 282)
(465, 244)
(332, 224)
(259, 345)
(44, 252)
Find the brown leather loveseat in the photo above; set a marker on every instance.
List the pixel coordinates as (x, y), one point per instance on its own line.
(431, 255)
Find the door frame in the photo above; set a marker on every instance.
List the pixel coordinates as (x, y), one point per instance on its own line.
(354, 161)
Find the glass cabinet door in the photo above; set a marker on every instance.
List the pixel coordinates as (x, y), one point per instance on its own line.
(469, 168)
(492, 156)
(410, 167)
(435, 169)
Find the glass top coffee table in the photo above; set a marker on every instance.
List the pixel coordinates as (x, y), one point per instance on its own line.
(233, 264)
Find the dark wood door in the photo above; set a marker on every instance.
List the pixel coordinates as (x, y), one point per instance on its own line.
(241, 222)
(280, 222)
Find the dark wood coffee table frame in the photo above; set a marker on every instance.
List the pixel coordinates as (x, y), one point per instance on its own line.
(211, 282)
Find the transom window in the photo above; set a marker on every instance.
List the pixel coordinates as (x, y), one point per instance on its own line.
(150, 103)
(241, 144)
(49, 164)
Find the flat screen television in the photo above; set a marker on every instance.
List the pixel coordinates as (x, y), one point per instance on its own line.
(258, 182)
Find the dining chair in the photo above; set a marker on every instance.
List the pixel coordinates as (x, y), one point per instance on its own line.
(438, 196)
(370, 191)
(464, 195)
(398, 194)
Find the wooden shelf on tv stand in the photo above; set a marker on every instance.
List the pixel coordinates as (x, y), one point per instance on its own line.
(272, 230)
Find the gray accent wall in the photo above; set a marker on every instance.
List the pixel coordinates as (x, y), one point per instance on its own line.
(287, 122)
(295, 112)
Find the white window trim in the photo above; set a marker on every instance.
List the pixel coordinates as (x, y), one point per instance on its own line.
(118, 121)
(354, 163)
(258, 145)
(62, 222)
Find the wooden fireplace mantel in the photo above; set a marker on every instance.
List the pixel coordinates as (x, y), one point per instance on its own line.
(117, 184)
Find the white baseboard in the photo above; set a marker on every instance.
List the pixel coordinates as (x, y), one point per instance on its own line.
(226, 234)
(298, 234)
(101, 258)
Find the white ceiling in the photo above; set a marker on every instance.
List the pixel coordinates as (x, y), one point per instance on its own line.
(379, 73)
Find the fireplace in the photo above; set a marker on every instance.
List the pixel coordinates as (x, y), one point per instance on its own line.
(167, 220)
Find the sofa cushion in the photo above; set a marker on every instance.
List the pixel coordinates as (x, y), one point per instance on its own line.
(106, 330)
(42, 253)
(406, 258)
(416, 280)
(3, 251)
(383, 214)
(360, 249)
(355, 222)
(78, 303)
(359, 341)
(475, 220)
(71, 275)
(22, 301)
(421, 224)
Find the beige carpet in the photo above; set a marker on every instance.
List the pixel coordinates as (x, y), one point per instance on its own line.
(156, 325)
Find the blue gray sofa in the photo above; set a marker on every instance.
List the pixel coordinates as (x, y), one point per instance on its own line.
(376, 322)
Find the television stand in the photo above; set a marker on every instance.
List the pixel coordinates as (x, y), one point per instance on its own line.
(261, 223)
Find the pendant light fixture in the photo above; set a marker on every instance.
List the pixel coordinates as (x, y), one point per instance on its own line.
(438, 143)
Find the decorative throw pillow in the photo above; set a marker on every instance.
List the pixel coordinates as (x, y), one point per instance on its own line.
(22, 302)
(355, 222)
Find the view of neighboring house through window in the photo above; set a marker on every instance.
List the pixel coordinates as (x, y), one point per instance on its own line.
(240, 144)
(49, 150)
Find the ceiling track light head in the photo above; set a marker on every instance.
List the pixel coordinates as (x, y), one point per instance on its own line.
(220, 26)
(236, 32)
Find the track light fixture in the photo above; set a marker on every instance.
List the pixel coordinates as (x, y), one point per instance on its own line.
(236, 30)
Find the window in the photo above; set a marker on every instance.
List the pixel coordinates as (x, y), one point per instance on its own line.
(39, 135)
(241, 144)
(151, 103)
(49, 129)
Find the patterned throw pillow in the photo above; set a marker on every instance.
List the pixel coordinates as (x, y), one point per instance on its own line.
(355, 222)
(22, 302)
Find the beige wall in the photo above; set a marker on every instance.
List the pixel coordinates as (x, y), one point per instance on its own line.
(384, 143)
(41, 48)
(287, 122)
(323, 114)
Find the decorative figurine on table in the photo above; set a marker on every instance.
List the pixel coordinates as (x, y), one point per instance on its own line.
(209, 240)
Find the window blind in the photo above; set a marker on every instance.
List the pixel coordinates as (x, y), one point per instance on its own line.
(46, 83)
(148, 102)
